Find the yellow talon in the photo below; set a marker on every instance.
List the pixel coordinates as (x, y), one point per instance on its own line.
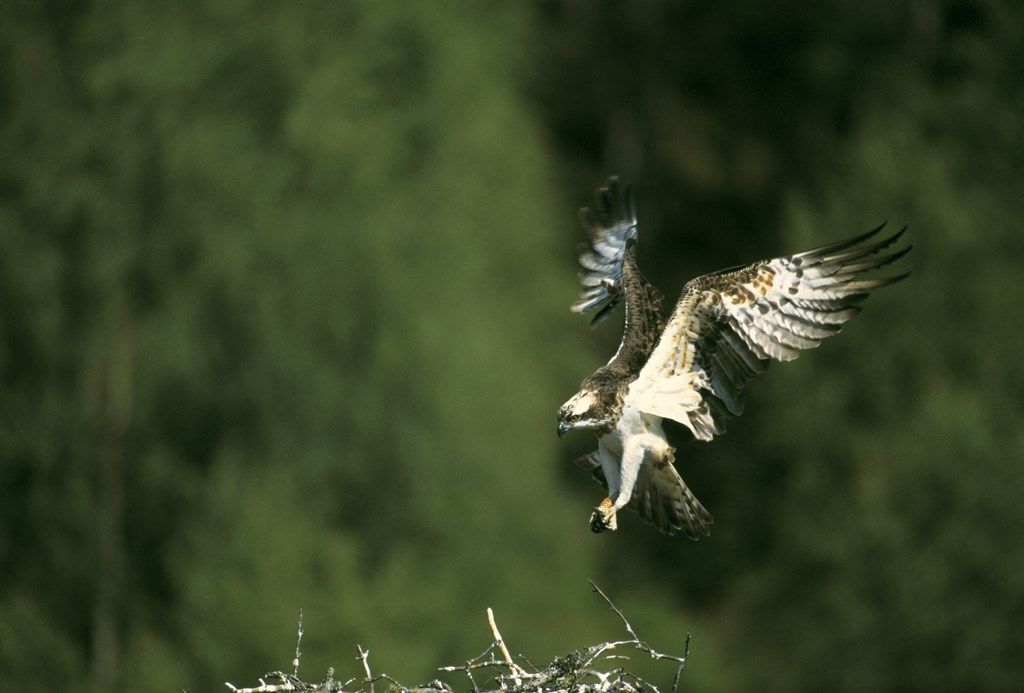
(604, 517)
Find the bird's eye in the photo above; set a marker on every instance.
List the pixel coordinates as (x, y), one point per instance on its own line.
(574, 417)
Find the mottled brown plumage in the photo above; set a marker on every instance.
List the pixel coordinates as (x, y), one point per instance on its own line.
(694, 368)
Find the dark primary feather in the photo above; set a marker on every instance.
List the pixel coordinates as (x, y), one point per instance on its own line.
(610, 276)
(612, 228)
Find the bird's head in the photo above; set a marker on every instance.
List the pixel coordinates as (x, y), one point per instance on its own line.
(588, 408)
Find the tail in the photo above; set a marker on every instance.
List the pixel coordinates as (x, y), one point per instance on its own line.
(661, 497)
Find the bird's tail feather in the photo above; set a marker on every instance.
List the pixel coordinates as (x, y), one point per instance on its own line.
(660, 497)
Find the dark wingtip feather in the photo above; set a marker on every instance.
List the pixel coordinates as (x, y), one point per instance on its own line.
(589, 221)
(823, 250)
(604, 312)
(873, 263)
(611, 225)
(858, 251)
(872, 284)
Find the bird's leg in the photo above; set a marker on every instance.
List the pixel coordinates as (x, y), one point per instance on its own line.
(632, 457)
(610, 466)
(603, 516)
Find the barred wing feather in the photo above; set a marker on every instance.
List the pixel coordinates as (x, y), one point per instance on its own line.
(612, 227)
(728, 326)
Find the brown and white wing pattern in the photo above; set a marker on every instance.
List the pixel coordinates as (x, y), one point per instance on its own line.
(728, 326)
(612, 227)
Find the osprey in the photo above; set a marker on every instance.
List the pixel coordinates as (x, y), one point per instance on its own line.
(725, 329)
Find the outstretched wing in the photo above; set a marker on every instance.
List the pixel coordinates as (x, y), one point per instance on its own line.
(610, 275)
(660, 497)
(612, 228)
(728, 326)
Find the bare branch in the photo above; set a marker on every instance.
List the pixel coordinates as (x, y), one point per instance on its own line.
(614, 608)
(600, 668)
(512, 666)
(364, 655)
(682, 664)
(298, 644)
(287, 684)
(636, 641)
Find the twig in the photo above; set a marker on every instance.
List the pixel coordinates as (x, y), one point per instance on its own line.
(528, 662)
(614, 608)
(682, 664)
(298, 643)
(389, 679)
(640, 644)
(512, 666)
(264, 687)
(364, 655)
(474, 663)
(469, 674)
(587, 670)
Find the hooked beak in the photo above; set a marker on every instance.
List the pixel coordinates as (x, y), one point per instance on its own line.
(563, 428)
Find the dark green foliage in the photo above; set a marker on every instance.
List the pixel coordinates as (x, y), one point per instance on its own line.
(283, 324)
(282, 292)
(865, 535)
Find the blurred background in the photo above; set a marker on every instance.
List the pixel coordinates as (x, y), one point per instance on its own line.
(284, 322)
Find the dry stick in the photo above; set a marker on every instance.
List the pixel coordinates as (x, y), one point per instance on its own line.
(487, 659)
(642, 683)
(264, 687)
(298, 644)
(516, 672)
(682, 664)
(364, 656)
(474, 663)
(614, 608)
(469, 674)
(527, 660)
(389, 679)
(640, 644)
(512, 666)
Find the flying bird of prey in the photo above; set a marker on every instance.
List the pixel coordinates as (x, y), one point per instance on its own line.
(725, 329)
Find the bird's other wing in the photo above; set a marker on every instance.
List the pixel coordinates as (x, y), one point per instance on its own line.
(729, 325)
(661, 498)
(612, 227)
(610, 275)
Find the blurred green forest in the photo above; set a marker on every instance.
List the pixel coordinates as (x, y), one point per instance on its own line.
(283, 324)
